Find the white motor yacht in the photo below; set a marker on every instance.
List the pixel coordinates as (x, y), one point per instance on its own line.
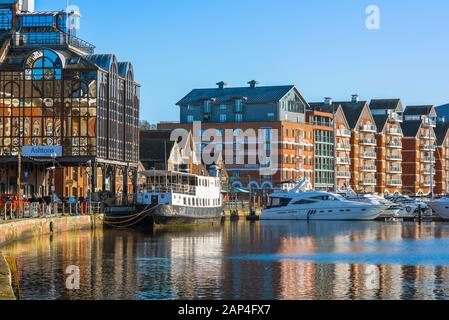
(391, 210)
(316, 205)
(441, 207)
(409, 207)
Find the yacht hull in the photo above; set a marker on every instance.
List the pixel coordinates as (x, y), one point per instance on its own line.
(441, 208)
(355, 214)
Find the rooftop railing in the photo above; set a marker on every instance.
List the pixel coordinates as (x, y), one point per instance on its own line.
(53, 38)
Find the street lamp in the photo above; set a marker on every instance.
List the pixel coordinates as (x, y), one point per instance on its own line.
(89, 184)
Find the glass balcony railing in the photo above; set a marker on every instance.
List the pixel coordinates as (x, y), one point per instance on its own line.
(368, 128)
(394, 157)
(394, 170)
(343, 175)
(369, 182)
(368, 142)
(343, 161)
(394, 145)
(368, 169)
(394, 183)
(54, 38)
(369, 155)
(343, 133)
(394, 132)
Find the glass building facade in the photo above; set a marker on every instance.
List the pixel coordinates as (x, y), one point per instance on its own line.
(55, 92)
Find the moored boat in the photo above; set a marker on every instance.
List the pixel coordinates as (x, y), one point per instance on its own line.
(181, 198)
(316, 205)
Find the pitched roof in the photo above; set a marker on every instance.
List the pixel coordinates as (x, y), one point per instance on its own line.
(384, 104)
(253, 95)
(443, 111)
(411, 128)
(103, 61)
(418, 110)
(380, 121)
(323, 107)
(353, 111)
(441, 132)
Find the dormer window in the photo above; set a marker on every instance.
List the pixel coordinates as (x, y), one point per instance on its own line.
(238, 105)
(207, 106)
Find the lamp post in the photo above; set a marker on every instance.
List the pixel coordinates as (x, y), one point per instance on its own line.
(89, 184)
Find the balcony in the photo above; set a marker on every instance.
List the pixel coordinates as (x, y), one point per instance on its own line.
(394, 145)
(343, 133)
(368, 182)
(368, 155)
(426, 136)
(394, 183)
(428, 160)
(428, 172)
(343, 161)
(429, 122)
(394, 170)
(368, 169)
(343, 147)
(51, 39)
(394, 117)
(368, 128)
(394, 157)
(395, 132)
(427, 183)
(368, 142)
(343, 175)
(427, 147)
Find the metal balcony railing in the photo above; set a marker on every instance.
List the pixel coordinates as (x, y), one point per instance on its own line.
(369, 169)
(394, 132)
(368, 142)
(369, 155)
(394, 157)
(343, 175)
(369, 182)
(394, 144)
(368, 128)
(394, 183)
(343, 133)
(344, 161)
(53, 38)
(428, 160)
(394, 170)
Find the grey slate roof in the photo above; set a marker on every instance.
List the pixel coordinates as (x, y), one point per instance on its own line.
(384, 104)
(254, 95)
(322, 107)
(441, 132)
(380, 121)
(443, 111)
(353, 111)
(418, 110)
(411, 128)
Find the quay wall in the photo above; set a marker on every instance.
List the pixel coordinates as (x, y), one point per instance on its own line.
(24, 229)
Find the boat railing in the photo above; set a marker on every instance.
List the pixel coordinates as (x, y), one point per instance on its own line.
(172, 188)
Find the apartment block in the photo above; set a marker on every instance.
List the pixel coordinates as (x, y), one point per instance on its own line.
(259, 109)
(388, 115)
(419, 150)
(442, 158)
(320, 117)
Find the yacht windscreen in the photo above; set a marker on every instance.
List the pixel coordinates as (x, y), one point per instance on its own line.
(279, 202)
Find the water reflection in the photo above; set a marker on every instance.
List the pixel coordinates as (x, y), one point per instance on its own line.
(268, 260)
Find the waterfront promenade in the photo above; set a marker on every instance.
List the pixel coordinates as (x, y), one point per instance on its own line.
(21, 229)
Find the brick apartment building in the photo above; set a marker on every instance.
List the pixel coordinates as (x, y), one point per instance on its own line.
(262, 109)
(388, 115)
(419, 150)
(442, 158)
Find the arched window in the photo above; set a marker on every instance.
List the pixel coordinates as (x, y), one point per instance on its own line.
(46, 66)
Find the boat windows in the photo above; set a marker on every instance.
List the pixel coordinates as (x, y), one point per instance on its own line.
(304, 202)
(279, 202)
(327, 198)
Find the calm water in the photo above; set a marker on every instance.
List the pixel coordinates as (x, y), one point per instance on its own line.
(272, 260)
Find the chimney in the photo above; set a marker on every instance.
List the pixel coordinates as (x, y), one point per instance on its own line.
(328, 101)
(355, 98)
(26, 5)
(253, 83)
(221, 85)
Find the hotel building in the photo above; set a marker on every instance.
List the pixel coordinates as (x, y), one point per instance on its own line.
(258, 108)
(388, 115)
(419, 150)
(62, 103)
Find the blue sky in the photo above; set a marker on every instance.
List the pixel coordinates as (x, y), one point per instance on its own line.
(321, 46)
